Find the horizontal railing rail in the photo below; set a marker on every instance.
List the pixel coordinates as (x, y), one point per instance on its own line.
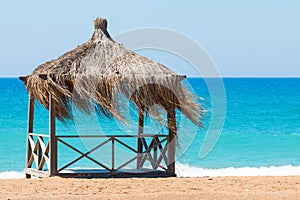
(105, 136)
(39, 135)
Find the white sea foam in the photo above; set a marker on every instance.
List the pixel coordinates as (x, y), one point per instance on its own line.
(183, 170)
(12, 175)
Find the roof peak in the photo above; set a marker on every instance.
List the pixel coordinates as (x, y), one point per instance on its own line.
(100, 23)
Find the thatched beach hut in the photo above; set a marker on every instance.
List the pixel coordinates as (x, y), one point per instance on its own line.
(99, 73)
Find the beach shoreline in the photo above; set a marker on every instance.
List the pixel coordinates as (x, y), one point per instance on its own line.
(252, 187)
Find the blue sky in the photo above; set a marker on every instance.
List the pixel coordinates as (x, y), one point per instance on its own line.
(244, 38)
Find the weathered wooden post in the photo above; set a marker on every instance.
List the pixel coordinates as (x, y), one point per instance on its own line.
(29, 130)
(171, 140)
(53, 140)
(140, 131)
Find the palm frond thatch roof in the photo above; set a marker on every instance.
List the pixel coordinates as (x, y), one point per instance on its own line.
(100, 71)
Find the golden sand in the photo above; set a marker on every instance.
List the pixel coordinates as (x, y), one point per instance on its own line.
(284, 187)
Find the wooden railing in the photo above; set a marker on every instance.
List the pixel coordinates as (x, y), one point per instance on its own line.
(154, 149)
(38, 152)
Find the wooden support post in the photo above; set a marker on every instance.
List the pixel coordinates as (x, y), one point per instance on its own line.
(171, 140)
(53, 139)
(29, 130)
(140, 131)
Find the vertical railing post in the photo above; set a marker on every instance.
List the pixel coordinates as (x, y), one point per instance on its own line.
(171, 140)
(53, 140)
(112, 154)
(155, 142)
(40, 153)
(29, 130)
(140, 131)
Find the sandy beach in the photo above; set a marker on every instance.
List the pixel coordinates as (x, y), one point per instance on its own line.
(284, 187)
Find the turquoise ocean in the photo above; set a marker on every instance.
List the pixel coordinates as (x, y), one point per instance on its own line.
(260, 136)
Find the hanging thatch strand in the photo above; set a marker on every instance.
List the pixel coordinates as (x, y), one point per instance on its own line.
(102, 72)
